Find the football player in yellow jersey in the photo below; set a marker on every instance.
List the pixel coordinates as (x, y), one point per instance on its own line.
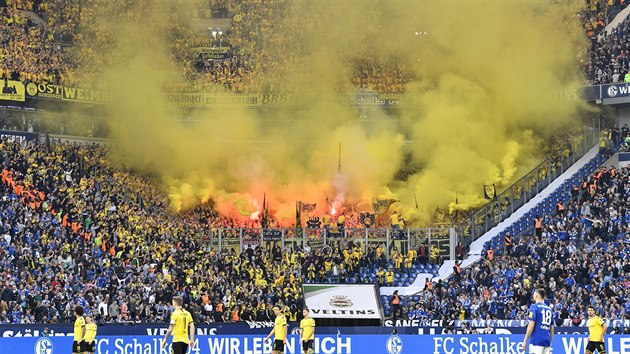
(79, 329)
(307, 328)
(90, 334)
(279, 330)
(596, 329)
(181, 322)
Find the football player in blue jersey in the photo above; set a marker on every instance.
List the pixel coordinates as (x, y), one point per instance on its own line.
(540, 327)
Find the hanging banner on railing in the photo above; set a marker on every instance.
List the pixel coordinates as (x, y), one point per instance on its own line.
(12, 91)
(272, 234)
(208, 100)
(66, 93)
(19, 136)
(211, 53)
(18, 91)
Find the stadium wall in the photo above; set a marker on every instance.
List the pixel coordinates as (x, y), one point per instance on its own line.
(324, 344)
(263, 327)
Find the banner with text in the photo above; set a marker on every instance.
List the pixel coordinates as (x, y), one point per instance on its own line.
(12, 91)
(211, 53)
(342, 301)
(34, 90)
(339, 344)
(615, 90)
(485, 323)
(66, 93)
(18, 136)
(208, 100)
(260, 328)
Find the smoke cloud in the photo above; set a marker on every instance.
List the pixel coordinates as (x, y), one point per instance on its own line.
(478, 103)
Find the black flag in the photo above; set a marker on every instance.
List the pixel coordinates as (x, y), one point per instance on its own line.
(489, 192)
(264, 221)
(298, 216)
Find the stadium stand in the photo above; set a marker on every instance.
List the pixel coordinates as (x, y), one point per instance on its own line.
(69, 44)
(25, 51)
(593, 217)
(47, 52)
(77, 230)
(74, 232)
(59, 207)
(607, 56)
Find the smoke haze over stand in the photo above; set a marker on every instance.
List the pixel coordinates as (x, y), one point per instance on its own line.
(476, 110)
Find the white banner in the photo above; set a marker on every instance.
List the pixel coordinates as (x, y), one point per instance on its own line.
(342, 301)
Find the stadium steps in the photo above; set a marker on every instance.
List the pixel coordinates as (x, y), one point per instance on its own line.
(517, 223)
(521, 221)
(619, 19)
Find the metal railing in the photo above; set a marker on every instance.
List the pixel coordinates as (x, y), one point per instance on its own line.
(529, 229)
(239, 240)
(523, 190)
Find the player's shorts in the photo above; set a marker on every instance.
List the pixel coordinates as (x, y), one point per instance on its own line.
(538, 232)
(88, 347)
(537, 349)
(278, 346)
(306, 345)
(591, 346)
(179, 347)
(76, 347)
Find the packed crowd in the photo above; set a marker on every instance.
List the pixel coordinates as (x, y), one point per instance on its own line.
(581, 259)
(596, 14)
(69, 42)
(259, 48)
(76, 230)
(27, 51)
(607, 56)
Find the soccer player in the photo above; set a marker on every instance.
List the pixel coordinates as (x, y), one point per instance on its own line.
(280, 331)
(181, 322)
(90, 335)
(307, 327)
(79, 329)
(540, 327)
(596, 329)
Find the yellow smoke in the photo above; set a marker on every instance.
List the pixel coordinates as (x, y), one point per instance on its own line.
(479, 102)
(486, 97)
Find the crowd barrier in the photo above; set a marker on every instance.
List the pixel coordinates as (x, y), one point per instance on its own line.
(324, 344)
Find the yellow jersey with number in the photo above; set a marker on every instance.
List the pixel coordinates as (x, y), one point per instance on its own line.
(181, 320)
